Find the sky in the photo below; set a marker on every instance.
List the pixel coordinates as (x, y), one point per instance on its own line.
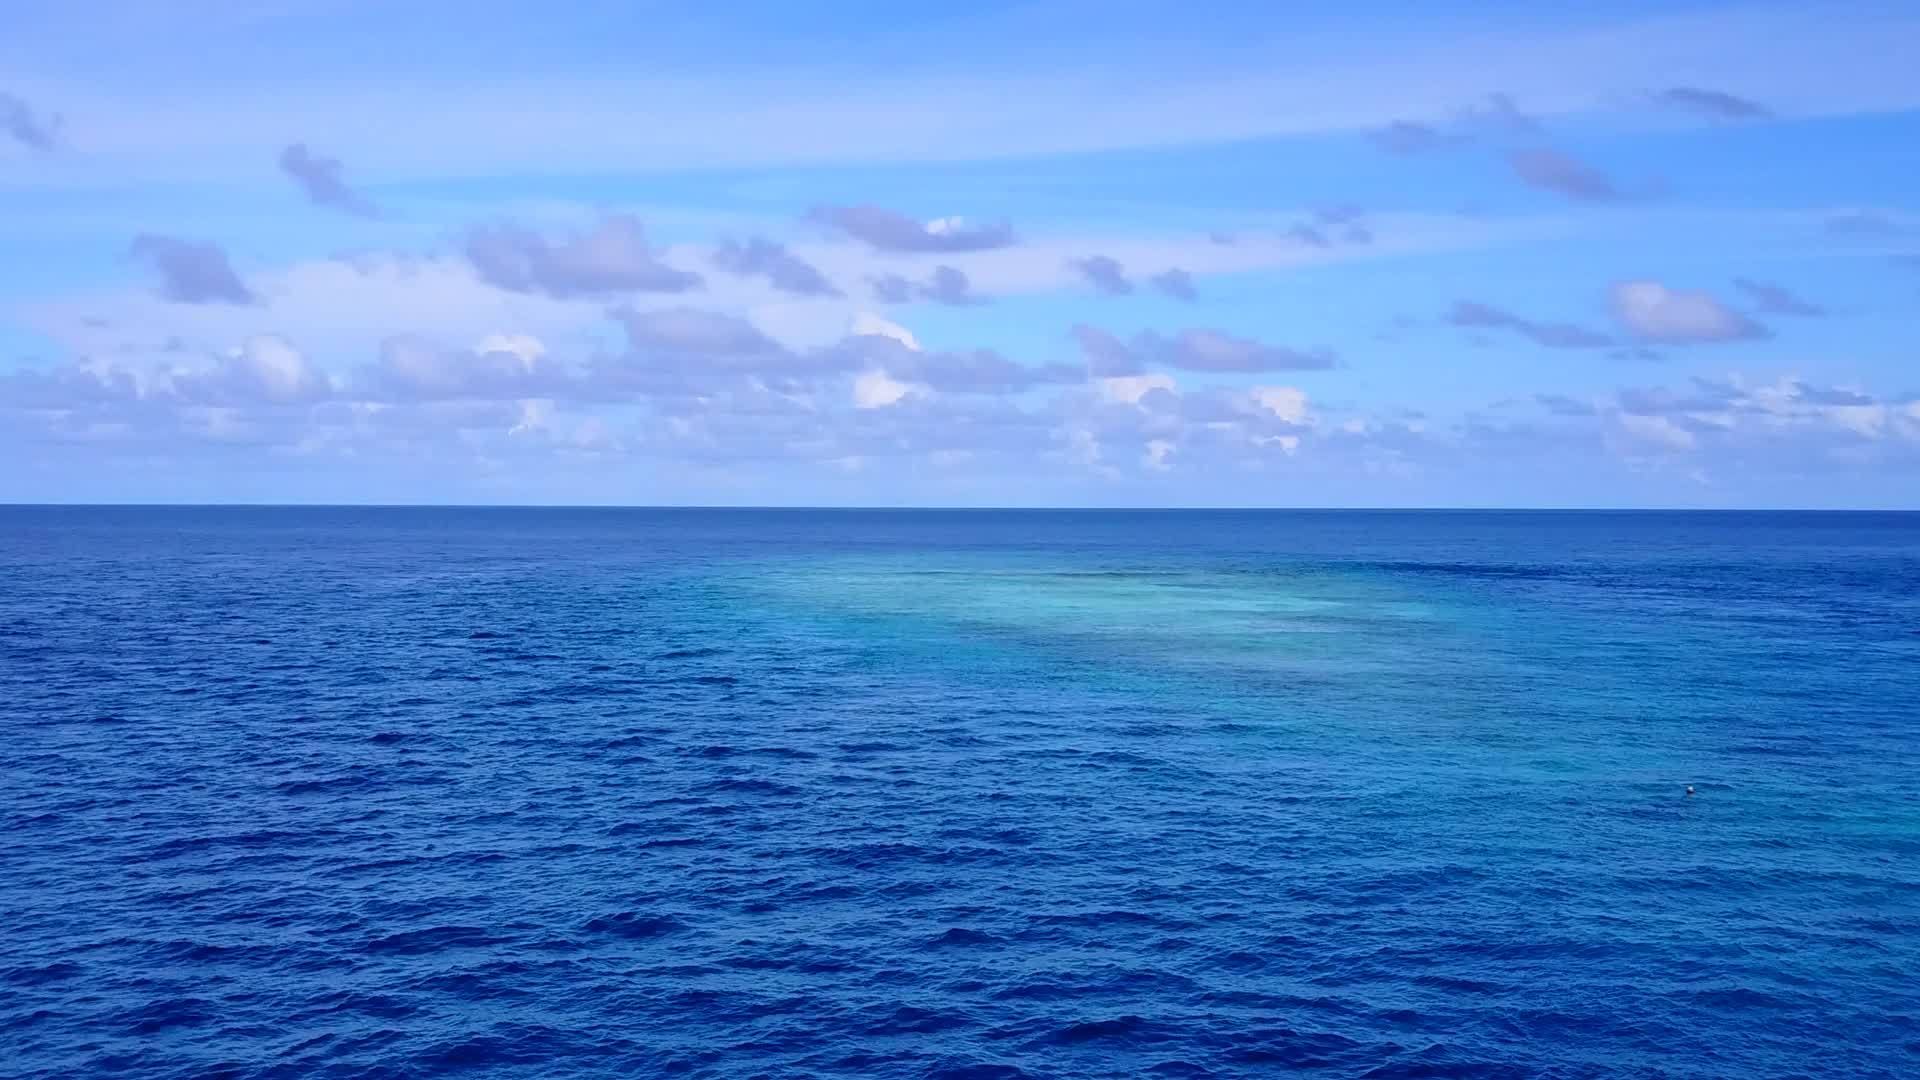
(1646, 253)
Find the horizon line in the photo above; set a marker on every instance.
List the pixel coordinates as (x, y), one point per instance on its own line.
(969, 508)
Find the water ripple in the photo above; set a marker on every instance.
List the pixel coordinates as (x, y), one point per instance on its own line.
(399, 793)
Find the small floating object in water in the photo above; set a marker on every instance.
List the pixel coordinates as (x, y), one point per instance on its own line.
(1689, 789)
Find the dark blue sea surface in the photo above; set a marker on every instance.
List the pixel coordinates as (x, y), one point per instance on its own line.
(552, 793)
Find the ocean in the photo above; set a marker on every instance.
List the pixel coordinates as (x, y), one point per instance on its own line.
(340, 792)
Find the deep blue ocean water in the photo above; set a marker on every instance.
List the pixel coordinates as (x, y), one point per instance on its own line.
(552, 793)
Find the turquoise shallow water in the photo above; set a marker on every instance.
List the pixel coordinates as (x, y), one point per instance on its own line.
(959, 794)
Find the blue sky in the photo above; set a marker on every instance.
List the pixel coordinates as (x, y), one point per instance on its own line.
(1627, 254)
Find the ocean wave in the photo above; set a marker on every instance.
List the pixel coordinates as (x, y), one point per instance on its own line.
(1056, 809)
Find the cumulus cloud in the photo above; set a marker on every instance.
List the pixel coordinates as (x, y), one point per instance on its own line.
(974, 371)
(1553, 335)
(877, 390)
(1151, 417)
(867, 324)
(1176, 283)
(1772, 299)
(1828, 395)
(1563, 174)
(1104, 273)
(691, 332)
(264, 369)
(1105, 354)
(1782, 414)
(1659, 431)
(888, 230)
(322, 179)
(504, 397)
(984, 371)
(192, 272)
(1714, 103)
(1720, 400)
(1751, 428)
(875, 345)
(759, 257)
(668, 346)
(1653, 312)
(500, 367)
(1192, 350)
(610, 259)
(1287, 403)
(1212, 350)
(946, 285)
(1703, 398)
(1133, 389)
(68, 386)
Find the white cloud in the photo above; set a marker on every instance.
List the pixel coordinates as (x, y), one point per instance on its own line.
(693, 331)
(536, 417)
(1869, 421)
(1285, 402)
(1157, 452)
(1656, 313)
(610, 260)
(342, 309)
(874, 388)
(1787, 416)
(867, 323)
(525, 346)
(948, 226)
(877, 390)
(1659, 431)
(278, 370)
(1129, 389)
